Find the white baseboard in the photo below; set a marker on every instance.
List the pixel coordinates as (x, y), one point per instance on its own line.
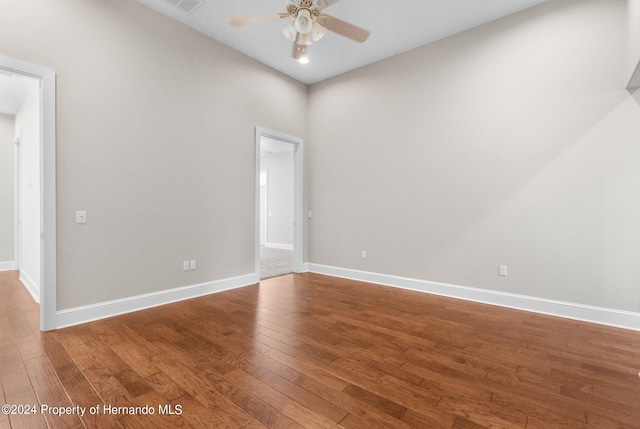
(585, 313)
(279, 246)
(103, 310)
(6, 266)
(31, 285)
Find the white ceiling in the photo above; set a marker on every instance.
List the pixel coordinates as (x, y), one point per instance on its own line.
(396, 26)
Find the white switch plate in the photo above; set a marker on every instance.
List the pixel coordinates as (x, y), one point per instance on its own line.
(503, 270)
(364, 254)
(81, 216)
(185, 265)
(192, 264)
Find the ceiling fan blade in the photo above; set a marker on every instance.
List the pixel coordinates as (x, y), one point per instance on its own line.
(343, 28)
(240, 21)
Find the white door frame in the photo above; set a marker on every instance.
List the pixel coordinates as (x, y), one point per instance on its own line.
(47, 77)
(17, 201)
(264, 207)
(298, 196)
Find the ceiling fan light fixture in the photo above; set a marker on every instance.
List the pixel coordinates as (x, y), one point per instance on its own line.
(318, 31)
(289, 32)
(305, 39)
(303, 22)
(307, 23)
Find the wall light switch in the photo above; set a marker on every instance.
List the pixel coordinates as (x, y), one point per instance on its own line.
(192, 264)
(185, 265)
(81, 217)
(503, 270)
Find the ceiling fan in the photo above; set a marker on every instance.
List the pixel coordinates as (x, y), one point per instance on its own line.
(307, 23)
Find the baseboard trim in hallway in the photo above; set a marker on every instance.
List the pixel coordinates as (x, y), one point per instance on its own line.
(6, 266)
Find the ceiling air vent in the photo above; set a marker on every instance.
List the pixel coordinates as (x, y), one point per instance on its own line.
(186, 5)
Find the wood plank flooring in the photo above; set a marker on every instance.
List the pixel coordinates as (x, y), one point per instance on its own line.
(310, 351)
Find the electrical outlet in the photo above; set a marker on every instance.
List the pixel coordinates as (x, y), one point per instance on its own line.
(192, 264)
(503, 270)
(185, 265)
(81, 216)
(364, 254)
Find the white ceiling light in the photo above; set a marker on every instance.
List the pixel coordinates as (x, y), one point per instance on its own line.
(304, 23)
(318, 31)
(290, 32)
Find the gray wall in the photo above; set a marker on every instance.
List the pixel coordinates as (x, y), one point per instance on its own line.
(6, 188)
(514, 143)
(280, 197)
(155, 134)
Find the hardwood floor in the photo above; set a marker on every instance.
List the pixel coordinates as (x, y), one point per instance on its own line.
(309, 351)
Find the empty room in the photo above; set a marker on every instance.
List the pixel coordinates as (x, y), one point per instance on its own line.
(451, 190)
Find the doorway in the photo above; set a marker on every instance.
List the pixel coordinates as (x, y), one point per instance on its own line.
(279, 202)
(34, 196)
(22, 100)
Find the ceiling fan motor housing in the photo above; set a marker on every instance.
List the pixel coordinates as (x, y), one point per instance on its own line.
(295, 6)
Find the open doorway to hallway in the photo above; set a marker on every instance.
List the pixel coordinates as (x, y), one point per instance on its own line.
(278, 204)
(276, 207)
(20, 178)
